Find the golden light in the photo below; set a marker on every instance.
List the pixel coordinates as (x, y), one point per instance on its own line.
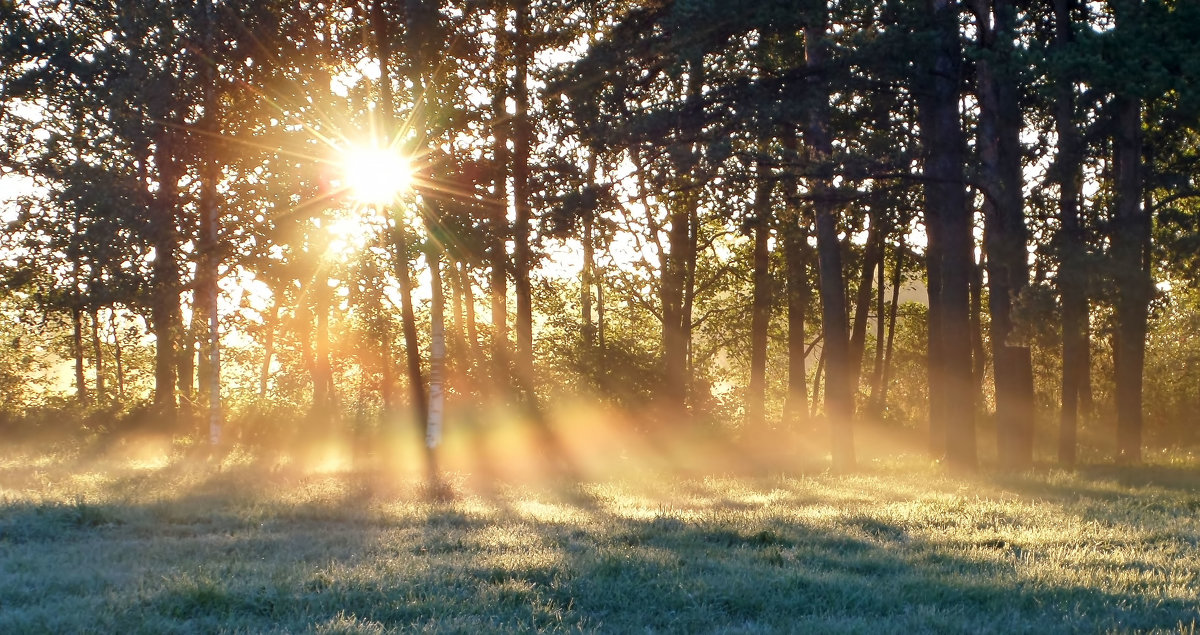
(376, 176)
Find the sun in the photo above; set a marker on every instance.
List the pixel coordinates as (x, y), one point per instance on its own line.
(374, 175)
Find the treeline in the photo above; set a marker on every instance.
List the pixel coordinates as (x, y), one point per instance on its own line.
(703, 210)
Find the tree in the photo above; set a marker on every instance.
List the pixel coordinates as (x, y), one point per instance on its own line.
(948, 228)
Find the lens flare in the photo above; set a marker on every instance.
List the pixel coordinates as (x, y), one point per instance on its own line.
(376, 176)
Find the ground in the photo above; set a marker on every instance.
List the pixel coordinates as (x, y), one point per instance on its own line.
(156, 543)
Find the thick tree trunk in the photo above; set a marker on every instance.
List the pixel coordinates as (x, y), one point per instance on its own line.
(839, 392)
(678, 272)
(674, 340)
(952, 397)
(1072, 276)
(760, 309)
(1004, 227)
(209, 258)
(164, 312)
(1130, 241)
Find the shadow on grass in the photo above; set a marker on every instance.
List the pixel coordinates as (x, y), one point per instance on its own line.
(256, 548)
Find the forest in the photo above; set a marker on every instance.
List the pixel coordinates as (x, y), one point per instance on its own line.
(795, 225)
(671, 316)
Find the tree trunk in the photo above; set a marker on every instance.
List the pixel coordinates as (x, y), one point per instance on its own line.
(81, 392)
(796, 258)
(760, 309)
(978, 361)
(209, 258)
(264, 374)
(399, 239)
(839, 393)
(324, 398)
(165, 318)
(117, 356)
(97, 354)
(588, 328)
(186, 367)
(873, 408)
(468, 288)
(1004, 227)
(498, 250)
(522, 253)
(897, 279)
(872, 253)
(437, 355)
(1072, 276)
(949, 220)
(678, 275)
(1130, 240)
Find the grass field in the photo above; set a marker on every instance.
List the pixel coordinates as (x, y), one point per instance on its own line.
(156, 544)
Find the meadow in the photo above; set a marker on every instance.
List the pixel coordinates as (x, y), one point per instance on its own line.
(155, 542)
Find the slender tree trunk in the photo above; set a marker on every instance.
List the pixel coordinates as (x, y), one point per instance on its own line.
(589, 258)
(469, 303)
(74, 254)
(862, 301)
(97, 354)
(264, 374)
(498, 250)
(323, 389)
(897, 279)
(760, 309)
(117, 356)
(796, 258)
(839, 392)
(873, 407)
(399, 237)
(437, 355)
(978, 361)
(946, 209)
(81, 393)
(186, 369)
(522, 252)
(408, 321)
(818, 376)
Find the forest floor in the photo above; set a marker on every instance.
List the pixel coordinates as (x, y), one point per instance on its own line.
(150, 542)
